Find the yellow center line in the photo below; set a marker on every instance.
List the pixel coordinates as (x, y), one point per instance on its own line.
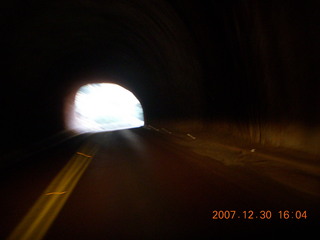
(80, 153)
(40, 217)
(55, 193)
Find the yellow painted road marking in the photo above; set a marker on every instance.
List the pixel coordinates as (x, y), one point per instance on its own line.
(55, 193)
(80, 153)
(40, 217)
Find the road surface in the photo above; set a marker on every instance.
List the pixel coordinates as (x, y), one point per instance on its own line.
(138, 184)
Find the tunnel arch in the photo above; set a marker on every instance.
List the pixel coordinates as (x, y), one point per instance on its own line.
(99, 106)
(145, 44)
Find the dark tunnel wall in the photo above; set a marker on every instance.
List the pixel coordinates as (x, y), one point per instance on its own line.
(274, 47)
(247, 67)
(261, 68)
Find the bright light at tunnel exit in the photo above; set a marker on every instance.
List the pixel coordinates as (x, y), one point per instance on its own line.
(103, 107)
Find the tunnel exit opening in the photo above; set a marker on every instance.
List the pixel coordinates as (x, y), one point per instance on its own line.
(100, 107)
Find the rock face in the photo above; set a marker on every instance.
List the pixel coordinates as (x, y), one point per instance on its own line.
(249, 67)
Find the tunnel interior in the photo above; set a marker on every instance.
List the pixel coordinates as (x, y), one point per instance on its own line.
(227, 92)
(249, 68)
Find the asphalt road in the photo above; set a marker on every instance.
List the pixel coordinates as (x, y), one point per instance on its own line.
(137, 184)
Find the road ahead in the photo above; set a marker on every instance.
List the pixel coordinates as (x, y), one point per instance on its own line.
(137, 184)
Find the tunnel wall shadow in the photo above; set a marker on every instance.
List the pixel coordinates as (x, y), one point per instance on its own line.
(250, 67)
(261, 70)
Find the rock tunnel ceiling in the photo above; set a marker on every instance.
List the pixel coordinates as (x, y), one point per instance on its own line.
(250, 64)
(142, 42)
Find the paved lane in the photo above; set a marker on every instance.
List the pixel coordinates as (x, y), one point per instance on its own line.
(38, 220)
(139, 185)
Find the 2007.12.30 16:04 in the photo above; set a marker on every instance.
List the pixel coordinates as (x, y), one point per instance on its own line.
(262, 214)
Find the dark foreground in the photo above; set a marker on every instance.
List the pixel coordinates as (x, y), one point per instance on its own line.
(140, 185)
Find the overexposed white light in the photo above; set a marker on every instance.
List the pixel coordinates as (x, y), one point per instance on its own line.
(106, 107)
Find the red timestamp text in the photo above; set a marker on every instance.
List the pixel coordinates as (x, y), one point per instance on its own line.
(261, 214)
